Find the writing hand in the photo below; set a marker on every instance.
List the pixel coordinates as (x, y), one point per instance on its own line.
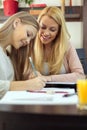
(36, 83)
(32, 75)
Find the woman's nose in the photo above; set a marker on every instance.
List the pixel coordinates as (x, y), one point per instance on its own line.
(46, 33)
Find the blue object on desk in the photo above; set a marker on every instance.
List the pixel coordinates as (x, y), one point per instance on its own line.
(33, 67)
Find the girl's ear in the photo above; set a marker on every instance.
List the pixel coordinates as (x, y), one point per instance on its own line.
(16, 22)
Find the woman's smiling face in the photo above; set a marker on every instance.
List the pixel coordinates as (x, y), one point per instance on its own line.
(48, 29)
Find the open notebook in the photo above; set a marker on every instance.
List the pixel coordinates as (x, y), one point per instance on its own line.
(46, 96)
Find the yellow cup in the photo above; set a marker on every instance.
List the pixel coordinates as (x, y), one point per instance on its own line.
(82, 93)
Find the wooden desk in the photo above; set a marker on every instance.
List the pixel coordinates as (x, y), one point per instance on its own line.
(42, 117)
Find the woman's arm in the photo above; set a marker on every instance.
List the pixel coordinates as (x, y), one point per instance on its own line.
(73, 66)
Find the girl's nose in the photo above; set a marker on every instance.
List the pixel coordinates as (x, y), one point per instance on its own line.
(28, 40)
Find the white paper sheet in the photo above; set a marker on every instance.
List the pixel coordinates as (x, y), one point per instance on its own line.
(48, 96)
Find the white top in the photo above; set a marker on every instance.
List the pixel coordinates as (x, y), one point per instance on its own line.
(46, 69)
(6, 72)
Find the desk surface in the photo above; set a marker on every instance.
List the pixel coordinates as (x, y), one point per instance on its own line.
(43, 109)
(33, 117)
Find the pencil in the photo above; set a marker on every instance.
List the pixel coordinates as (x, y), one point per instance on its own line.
(33, 67)
(69, 94)
(48, 91)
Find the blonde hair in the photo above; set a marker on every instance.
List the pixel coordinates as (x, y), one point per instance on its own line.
(59, 45)
(20, 56)
(25, 18)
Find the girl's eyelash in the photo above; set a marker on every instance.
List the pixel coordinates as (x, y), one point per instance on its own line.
(28, 34)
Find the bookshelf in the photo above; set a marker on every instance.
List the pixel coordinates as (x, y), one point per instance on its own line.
(72, 13)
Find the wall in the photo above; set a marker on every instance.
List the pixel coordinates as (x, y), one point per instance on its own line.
(76, 32)
(58, 2)
(75, 28)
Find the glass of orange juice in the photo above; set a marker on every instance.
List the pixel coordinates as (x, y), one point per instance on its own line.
(82, 93)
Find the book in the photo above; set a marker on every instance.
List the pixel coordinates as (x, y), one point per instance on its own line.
(61, 85)
(38, 5)
(34, 12)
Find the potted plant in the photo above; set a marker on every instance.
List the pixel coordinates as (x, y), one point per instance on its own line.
(11, 6)
(26, 1)
(0, 2)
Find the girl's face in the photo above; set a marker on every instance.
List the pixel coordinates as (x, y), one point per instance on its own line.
(48, 30)
(23, 34)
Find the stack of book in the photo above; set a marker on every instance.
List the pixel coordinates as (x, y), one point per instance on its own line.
(35, 9)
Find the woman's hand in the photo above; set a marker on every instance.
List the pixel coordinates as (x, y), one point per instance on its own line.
(48, 78)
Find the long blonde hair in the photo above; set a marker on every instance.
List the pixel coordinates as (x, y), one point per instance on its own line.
(19, 57)
(59, 44)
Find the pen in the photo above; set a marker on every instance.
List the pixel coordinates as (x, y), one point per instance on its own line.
(69, 94)
(33, 67)
(49, 91)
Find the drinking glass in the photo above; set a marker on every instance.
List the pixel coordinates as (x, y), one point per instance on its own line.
(82, 93)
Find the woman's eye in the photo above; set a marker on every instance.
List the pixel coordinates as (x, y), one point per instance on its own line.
(42, 27)
(53, 30)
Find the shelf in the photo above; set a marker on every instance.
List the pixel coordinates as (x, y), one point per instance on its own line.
(72, 16)
(73, 13)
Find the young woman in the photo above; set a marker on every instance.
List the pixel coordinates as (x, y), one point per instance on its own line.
(19, 32)
(54, 56)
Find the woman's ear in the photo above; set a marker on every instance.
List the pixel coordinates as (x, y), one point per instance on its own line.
(16, 22)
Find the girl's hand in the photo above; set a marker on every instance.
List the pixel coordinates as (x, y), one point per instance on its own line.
(36, 83)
